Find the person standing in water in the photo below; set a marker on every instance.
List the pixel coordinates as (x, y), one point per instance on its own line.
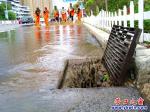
(56, 14)
(63, 14)
(46, 16)
(79, 14)
(37, 16)
(71, 11)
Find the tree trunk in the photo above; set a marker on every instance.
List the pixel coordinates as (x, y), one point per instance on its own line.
(106, 5)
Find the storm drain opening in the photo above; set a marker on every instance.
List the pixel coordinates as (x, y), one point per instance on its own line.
(85, 73)
(111, 70)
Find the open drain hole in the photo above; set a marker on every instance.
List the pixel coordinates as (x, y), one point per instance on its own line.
(84, 73)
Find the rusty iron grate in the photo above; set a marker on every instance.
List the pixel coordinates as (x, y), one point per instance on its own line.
(119, 52)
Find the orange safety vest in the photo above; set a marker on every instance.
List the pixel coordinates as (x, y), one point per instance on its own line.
(64, 15)
(37, 19)
(79, 15)
(71, 12)
(56, 13)
(46, 16)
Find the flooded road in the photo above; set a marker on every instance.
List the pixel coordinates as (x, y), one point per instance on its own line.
(32, 58)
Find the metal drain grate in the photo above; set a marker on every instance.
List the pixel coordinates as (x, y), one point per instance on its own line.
(119, 51)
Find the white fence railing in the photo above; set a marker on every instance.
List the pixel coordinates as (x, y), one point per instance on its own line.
(105, 20)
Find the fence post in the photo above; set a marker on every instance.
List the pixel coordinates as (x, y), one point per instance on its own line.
(102, 18)
(112, 19)
(125, 14)
(106, 18)
(131, 14)
(91, 18)
(115, 18)
(141, 18)
(119, 17)
(109, 19)
(91, 12)
(98, 20)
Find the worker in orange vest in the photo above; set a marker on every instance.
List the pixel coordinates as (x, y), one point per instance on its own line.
(71, 11)
(46, 16)
(63, 14)
(56, 14)
(37, 16)
(79, 14)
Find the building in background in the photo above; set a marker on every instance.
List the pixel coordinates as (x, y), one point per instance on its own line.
(33, 4)
(17, 8)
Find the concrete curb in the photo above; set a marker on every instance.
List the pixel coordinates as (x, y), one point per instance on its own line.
(100, 35)
(103, 36)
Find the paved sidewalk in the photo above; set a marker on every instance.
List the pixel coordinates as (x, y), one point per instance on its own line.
(67, 100)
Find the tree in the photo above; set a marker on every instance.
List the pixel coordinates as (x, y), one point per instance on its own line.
(11, 15)
(106, 5)
(3, 8)
(94, 5)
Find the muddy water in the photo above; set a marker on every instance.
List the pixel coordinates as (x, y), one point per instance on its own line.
(32, 58)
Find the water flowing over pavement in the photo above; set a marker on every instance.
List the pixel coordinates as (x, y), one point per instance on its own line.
(32, 58)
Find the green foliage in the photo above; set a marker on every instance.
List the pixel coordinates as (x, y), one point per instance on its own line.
(97, 10)
(114, 5)
(90, 5)
(88, 11)
(146, 42)
(147, 26)
(11, 15)
(3, 8)
(76, 5)
(146, 5)
(89, 2)
(105, 77)
(55, 7)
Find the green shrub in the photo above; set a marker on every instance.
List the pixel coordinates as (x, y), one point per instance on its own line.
(11, 15)
(3, 8)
